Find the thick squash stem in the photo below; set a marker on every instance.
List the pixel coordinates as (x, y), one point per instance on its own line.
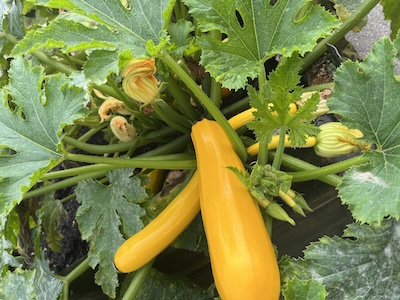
(253, 149)
(206, 102)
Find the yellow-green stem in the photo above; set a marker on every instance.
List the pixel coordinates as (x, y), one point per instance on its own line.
(208, 104)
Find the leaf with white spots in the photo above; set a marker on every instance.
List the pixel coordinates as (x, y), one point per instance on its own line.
(364, 264)
(366, 95)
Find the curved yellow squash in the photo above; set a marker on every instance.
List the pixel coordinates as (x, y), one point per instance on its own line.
(243, 260)
(145, 245)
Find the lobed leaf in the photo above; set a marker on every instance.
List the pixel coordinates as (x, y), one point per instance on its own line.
(102, 25)
(256, 31)
(104, 211)
(281, 90)
(6, 248)
(100, 64)
(39, 283)
(362, 265)
(366, 95)
(299, 289)
(31, 123)
(18, 285)
(390, 9)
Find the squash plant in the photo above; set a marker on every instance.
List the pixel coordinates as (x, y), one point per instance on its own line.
(97, 94)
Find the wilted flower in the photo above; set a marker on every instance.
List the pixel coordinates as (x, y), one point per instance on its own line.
(335, 139)
(322, 107)
(139, 81)
(112, 104)
(124, 131)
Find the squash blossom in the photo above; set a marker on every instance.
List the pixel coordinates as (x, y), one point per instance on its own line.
(336, 139)
(124, 131)
(322, 107)
(139, 81)
(109, 105)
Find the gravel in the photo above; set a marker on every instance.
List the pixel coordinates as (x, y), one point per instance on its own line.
(376, 28)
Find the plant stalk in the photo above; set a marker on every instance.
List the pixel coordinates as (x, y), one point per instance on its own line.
(169, 162)
(208, 104)
(134, 286)
(75, 273)
(328, 170)
(349, 24)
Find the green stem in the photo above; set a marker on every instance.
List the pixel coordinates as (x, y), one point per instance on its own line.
(236, 107)
(327, 170)
(171, 162)
(182, 161)
(86, 136)
(51, 62)
(279, 151)
(78, 170)
(262, 157)
(63, 184)
(172, 147)
(162, 135)
(74, 274)
(339, 33)
(122, 96)
(319, 87)
(182, 99)
(67, 198)
(300, 165)
(42, 57)
(171, 117)
(134, 286)
(97, 149)
(208, 104)
(169, 148)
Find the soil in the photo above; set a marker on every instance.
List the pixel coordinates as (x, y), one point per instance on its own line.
(73, 248)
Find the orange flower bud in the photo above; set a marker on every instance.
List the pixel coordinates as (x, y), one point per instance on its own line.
(124, 131)
(112, 104)
(142, 89)
(143, 67)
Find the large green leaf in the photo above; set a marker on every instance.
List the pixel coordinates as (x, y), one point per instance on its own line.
(105, 25)
(6, 248)
(366, 95)
(362, 265)
(391, 12)
(37, 284)
(256, 32)
(18, 285)
(35, 110)
(160, 286)
(105, 211)
(296, 288)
